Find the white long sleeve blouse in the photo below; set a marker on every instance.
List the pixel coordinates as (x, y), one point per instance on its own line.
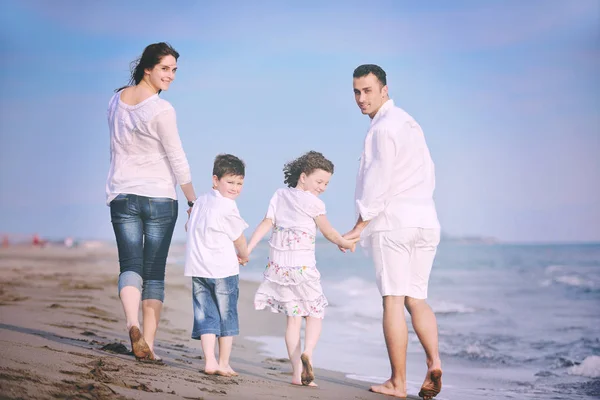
(146, 155)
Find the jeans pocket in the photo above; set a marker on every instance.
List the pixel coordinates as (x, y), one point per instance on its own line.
(162, 208)
(119, 208)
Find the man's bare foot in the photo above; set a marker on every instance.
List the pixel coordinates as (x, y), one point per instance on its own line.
(139, 347)
(389, 389)
(307, 371)
(432, 385)
(299, 383)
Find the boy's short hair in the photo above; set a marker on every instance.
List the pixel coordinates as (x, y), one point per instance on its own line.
(228, 164)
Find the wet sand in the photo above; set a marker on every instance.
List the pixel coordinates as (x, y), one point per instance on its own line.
(63, 336)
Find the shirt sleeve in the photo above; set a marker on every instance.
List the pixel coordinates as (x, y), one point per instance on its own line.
(166, 125)
(233, 225)
(315, 206)
(377, 174)
(271, 210)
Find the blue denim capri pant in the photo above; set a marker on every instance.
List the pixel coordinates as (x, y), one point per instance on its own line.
(143, 228)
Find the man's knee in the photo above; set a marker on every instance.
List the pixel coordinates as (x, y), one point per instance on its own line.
(411, 303)
(393, 301)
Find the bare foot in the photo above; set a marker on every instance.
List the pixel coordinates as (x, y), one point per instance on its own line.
(139, 347)
(307, 372)
(211, 368)
(432, 385)
(389, 389)
(298, 383)
(226, 371)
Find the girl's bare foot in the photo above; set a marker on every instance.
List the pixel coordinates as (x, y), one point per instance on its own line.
(307, 372)
(432, 385)
(389, 389)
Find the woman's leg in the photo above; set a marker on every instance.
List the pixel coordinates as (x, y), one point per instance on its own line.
(160, 216)
(128, 228)
(292, 341)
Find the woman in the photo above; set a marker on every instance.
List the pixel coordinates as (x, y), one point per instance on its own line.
(147, 161)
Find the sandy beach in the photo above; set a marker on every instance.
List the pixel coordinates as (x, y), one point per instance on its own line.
(63, 336)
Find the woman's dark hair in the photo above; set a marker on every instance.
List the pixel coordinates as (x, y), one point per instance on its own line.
(151, 56)
(306, 163)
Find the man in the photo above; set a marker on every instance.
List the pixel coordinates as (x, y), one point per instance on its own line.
(398, 226)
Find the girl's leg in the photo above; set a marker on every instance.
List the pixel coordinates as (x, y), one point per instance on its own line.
(292, 341)
(311, 337)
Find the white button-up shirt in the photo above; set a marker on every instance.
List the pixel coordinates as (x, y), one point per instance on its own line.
(215, 223)
(146, 155)
(396, 178)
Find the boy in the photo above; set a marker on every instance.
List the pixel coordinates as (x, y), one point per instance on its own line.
(214, 236)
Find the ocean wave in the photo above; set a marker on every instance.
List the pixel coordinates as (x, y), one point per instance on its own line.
(584, 276)
(590, 368)
(446, 307)
(576, 281)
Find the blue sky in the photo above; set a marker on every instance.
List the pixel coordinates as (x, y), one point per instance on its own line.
(507, 92)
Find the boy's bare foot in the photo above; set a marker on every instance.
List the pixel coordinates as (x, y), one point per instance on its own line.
(307, 375)
(139, 347)
(389, 389)
(432, 385)
(211, 368)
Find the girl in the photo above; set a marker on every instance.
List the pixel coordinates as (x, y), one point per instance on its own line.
(147, 161)
(292, 282)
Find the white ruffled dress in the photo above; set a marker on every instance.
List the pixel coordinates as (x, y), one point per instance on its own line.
(292, 283)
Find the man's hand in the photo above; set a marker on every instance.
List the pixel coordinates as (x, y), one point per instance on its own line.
(353, 235)
(243, 260)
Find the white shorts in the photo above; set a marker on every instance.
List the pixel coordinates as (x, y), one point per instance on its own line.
(403, 259)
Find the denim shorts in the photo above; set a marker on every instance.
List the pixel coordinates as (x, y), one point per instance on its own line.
(215, 306)
(143, 228)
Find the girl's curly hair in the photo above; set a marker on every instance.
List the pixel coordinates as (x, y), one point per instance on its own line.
(307, 163)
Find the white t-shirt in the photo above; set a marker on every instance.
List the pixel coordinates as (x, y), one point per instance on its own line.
(215, 223)
(146, 155)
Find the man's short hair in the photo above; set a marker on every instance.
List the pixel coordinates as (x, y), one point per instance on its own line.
(366, 69)
(228, 164)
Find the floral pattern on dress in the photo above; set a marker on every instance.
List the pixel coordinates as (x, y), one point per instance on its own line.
(284, 275)
(292, 239)
(293, 308)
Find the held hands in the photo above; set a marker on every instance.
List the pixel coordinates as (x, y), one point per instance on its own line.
(243, 260)
(349, 241)
(348, 244)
